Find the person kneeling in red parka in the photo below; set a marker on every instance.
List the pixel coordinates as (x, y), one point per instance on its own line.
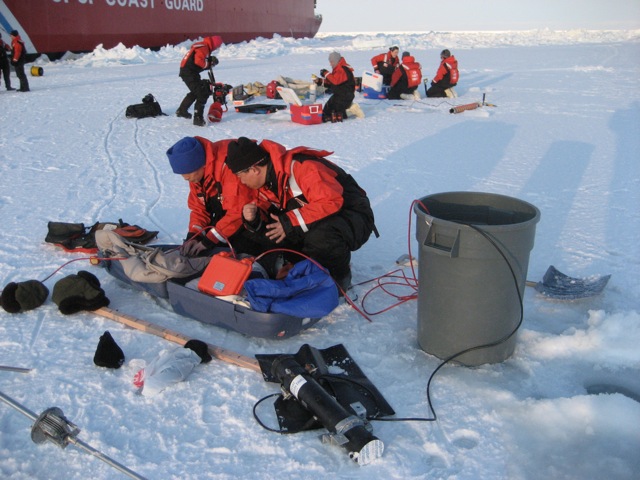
(406, 79)
(386, 64)
(446, 76)
(305, 203)
(216, 196)
(342, 84)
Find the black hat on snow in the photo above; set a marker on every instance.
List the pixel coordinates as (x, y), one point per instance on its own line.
(108, 354)
(201, 348)
(23, 296)
(79, 292)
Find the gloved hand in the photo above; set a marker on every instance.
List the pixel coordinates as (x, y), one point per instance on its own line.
(79, 292)
(192, 247)
(23, 296)
(213, 60)
(323, 72)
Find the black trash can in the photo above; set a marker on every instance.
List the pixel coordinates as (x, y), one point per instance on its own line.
(469, 294)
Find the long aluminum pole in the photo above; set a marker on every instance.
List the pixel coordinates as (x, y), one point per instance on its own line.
(71, 439)
(6, 368)
(21, 408)
(118, 466)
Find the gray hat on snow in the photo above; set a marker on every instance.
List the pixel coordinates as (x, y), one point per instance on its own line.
(445, 53)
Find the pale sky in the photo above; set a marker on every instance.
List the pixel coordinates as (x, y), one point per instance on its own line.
(441, 15)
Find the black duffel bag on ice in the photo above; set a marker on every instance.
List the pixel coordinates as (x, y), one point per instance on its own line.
(148, 108)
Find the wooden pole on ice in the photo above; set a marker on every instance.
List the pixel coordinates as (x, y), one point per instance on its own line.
(220, 353)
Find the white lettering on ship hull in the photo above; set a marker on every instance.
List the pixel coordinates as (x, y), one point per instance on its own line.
(188, 5)
(114, 3)
(82, 2)
(131, 3)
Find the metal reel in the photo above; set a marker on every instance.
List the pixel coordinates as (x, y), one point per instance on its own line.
(53, 426)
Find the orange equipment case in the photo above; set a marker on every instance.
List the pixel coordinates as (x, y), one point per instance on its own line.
(225, 275)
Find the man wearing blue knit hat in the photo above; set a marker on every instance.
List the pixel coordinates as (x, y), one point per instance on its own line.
(216, 196)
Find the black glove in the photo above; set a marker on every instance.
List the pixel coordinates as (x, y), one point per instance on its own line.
(213, 61)
(79, 292)
(201, 348)
(108, 354)
(23, 296)
(323, 72)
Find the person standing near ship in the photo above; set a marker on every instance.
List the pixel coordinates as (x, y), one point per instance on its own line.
(18, 58)
(197, 59)
(5, 51)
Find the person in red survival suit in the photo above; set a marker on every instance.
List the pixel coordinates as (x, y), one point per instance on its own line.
(446, 76)
(5, 51)
(216, 196)
(197, 59)
(406, 79)
(342, 83)
(386, 64)
(305, 203)
(18, 59)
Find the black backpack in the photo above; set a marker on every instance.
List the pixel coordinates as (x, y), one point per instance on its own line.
(148, 108)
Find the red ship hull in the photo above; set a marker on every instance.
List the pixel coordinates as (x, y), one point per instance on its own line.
(54, 26)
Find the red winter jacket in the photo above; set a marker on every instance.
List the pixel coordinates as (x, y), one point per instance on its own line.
(198, 55)
(392, 63)
(323, 194)
(17, 49)
(219, 195)
(339, 76)
(448, 71)
(411, 69)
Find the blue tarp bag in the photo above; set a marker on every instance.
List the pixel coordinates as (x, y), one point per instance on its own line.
(307, 291)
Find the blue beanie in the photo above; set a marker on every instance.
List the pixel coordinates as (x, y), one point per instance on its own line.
(186, 156)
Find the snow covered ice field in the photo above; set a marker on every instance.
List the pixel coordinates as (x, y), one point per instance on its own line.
(565, 136)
